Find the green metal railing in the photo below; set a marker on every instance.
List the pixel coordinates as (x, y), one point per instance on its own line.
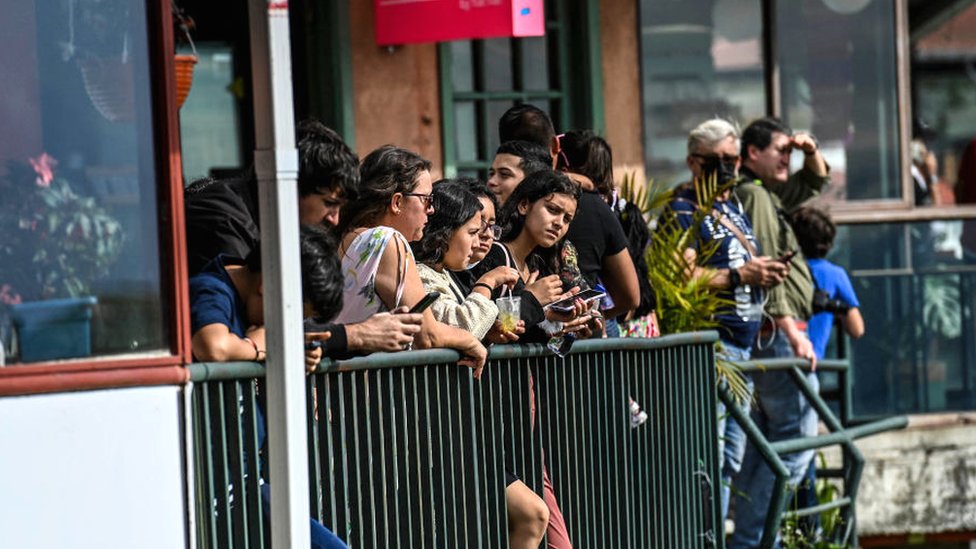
(409, 451)
(839, 434)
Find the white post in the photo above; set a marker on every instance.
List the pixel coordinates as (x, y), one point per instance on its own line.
(276, 166)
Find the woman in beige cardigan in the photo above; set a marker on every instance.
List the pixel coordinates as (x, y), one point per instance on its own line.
(450, 236)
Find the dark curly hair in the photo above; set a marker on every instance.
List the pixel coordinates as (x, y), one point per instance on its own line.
(814, 230)
(536, 187)
(454, 205)
(586, 153)
(386, 171)
(325, 162)
(322, 280)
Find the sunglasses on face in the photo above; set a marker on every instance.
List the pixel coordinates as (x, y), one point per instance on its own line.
(721, 158)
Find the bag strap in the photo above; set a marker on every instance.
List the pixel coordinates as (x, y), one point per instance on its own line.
(727, 223)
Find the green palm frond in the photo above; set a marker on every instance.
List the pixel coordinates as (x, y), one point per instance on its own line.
(685, 302)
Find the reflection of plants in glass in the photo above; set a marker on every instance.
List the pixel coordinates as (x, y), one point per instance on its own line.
(940, 306)
(55, 242)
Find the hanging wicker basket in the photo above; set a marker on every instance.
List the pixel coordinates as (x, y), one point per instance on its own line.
(184, 76)
(109, 85)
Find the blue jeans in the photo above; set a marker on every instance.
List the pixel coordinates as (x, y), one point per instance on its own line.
(731, 437)
(782, 413)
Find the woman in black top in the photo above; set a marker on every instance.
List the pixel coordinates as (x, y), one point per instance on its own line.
(535, 220)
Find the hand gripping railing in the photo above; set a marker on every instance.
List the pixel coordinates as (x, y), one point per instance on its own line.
(853, 461)
(409, 451)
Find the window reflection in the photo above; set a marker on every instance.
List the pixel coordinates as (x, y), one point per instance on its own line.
(945, 109)
(838, 79)
(78, 180)
(699, 59)
(917, 298)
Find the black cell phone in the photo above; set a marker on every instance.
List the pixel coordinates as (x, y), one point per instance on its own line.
(427, 301)
(566, 305)
(786, 257)
(314, 344)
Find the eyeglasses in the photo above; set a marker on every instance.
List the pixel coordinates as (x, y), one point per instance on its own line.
(494, 230)
(724, 159)
(427, 199)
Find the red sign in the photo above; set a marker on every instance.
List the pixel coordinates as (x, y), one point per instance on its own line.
(413, 21)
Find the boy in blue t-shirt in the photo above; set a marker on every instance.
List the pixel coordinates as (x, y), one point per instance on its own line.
(834, 297)
(227, 320)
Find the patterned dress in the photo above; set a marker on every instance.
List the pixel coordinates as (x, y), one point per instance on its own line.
(360, 262)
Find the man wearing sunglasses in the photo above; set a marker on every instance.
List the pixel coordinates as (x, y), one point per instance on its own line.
(735, 267)
(768, 193)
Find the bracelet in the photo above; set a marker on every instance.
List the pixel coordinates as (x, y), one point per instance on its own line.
(483, 285)
(257, 352)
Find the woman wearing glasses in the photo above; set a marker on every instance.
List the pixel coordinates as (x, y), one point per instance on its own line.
(380, 273)
(452, 233)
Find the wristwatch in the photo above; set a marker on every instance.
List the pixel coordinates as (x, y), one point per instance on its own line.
(735, 279)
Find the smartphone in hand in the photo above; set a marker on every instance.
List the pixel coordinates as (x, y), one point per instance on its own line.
(566, 305)
(788, 256)
(427, 301)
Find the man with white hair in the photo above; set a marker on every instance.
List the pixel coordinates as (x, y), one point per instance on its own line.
(736, 267)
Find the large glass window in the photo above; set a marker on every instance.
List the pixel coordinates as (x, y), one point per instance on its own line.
(481, 79)
(917, 298)
(700, 59)
(943, 49)
(838, 79)
(78, 183)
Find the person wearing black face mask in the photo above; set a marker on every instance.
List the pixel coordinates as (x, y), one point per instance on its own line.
(736, 269)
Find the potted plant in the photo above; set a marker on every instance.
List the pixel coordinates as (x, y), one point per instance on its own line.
(55, 244)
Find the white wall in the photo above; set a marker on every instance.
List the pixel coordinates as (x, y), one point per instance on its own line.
(92, 469)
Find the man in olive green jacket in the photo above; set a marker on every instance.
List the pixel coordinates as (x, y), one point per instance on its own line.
(768, 193)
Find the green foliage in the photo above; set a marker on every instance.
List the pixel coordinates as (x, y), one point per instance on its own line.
(793, 531)
(55, 242)
(686, 301)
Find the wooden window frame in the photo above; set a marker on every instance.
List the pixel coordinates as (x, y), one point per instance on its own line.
(161, 366)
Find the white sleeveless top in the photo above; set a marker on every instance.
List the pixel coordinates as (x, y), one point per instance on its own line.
(360, 262)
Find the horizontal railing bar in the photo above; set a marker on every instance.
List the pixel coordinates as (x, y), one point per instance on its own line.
(817, 509)
(445, 356)
(777, 364)
(830, 473)
(840, 437)
(224, 371)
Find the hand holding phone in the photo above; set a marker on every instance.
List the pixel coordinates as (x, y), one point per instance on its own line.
(427, 301)
(787, 256)
(567, 305)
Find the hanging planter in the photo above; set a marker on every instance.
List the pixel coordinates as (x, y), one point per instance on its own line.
(109, 85)
(184, 61)
(184, 76)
